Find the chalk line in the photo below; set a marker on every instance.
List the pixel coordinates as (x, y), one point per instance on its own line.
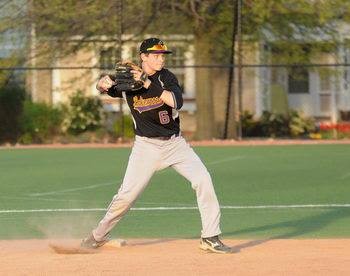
(75, 189)
(181, 208)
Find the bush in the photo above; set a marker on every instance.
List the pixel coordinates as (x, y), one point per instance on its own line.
(83, 114)
(39, 122)
(11, 105)
(300, 126)
(249, 125)
(128, 127)
(276, 125)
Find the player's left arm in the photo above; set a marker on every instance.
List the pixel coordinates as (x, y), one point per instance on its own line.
(172, 92)
(169, 99)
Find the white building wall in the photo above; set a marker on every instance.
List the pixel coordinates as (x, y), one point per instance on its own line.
(56, 85)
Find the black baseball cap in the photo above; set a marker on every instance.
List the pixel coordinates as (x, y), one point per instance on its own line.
(154, 45)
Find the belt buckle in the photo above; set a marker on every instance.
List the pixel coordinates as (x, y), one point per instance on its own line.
(172, 136)
(166, 138)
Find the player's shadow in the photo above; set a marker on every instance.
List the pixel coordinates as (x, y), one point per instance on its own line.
(294, 228)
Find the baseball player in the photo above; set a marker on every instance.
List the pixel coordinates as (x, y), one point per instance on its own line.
(158, 144)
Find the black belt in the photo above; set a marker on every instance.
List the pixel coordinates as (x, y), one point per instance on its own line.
(164, 138)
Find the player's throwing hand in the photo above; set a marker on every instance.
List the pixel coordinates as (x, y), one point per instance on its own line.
(104, 84)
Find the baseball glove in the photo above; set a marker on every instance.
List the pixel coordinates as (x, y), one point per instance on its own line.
(124, 79)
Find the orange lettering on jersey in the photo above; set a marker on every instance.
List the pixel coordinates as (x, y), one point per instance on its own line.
(142, 105)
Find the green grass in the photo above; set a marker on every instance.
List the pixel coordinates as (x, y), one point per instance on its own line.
(243, 176)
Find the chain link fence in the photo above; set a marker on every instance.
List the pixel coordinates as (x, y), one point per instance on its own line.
(265, 101)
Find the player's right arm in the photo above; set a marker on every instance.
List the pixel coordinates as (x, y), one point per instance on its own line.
(106, 86)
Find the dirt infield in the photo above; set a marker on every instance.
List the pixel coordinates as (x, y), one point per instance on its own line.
(258, 142)
(180, 257)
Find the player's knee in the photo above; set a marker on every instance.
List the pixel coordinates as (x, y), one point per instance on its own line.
(126, 197)
(201, 179)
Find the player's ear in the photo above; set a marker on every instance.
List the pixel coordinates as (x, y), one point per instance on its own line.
(143, 56)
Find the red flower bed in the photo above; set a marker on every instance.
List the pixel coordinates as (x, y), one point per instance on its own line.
(341, 127)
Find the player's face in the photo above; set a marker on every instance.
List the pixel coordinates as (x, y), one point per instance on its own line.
(154, 62)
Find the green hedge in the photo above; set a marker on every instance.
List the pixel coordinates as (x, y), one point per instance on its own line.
(270, 124)
(82, 114)
(11, 106)
(39, 123)
(26, 122)
(124, 127)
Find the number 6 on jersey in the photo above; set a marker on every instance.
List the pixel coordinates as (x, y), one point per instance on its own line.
(164, 117)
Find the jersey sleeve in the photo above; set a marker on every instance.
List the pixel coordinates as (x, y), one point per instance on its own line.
(113, 92)
(172, 84)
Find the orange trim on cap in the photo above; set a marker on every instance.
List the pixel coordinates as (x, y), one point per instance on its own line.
(158, 47)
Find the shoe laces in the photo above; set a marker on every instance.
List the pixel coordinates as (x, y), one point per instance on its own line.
(216, 240)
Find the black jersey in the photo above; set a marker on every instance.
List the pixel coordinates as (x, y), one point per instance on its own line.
(152, 117)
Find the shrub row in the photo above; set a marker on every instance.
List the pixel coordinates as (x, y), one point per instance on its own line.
(277, 125)
(11, 107)
(26, 122)
(82, 121)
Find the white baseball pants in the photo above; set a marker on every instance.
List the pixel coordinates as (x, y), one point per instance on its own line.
(150, 155)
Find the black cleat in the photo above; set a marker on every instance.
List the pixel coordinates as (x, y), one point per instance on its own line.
(214, 244)
(91, 243)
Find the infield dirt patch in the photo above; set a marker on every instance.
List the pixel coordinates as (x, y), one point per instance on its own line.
(180, 257)
(214, 142)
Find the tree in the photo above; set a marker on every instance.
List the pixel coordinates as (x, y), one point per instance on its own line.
(205, 19)
(286, 24)
(292, 27)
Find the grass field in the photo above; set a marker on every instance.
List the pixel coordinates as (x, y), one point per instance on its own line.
(256, 186)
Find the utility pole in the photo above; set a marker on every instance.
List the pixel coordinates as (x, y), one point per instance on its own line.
(240, 72)
(120, 57)
(230, 119)
(32, 55)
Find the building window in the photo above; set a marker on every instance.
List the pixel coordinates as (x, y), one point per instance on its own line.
(325, 103)
(298, 80)
(108, 57)
(177, 58)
